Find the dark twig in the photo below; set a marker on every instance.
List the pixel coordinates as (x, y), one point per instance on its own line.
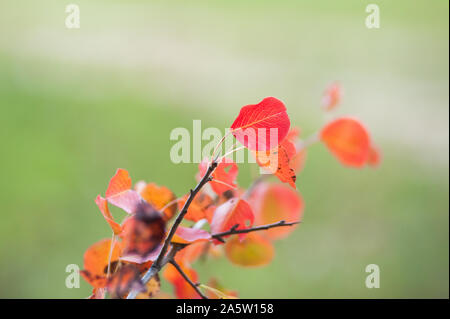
(183, 274)
(233, 230)
(161, 260)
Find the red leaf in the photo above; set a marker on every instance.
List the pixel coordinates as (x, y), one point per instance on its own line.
(103, 206)
(224, 176)
(120, 194)
(254, 122)
(185, 235)
(274, 202)
(143, 232)
(348, 140)
(233, 212)
(332, 96)
(278, 162)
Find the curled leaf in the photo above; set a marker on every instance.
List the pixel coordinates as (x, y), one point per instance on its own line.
(119, 192)
(348, 140)
(253, 250)
(103, 206)
(256, 124)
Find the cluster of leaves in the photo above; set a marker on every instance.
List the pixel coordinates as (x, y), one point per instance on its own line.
(219, 217)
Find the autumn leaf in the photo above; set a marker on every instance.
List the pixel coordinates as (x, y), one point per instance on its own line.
(202, 206)
(96, 260)
(120, 194)
(103, 206)
(348, 140)
(185, 235)
(144, 231)
(182, 288)
(159, 197)
(332, 96)
(253, 250)
(223, 177)
(274, 202)
(252, 127)
(233, 212)
(126, 278)
(278, 161)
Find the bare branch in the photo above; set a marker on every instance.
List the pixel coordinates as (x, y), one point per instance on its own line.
(233, 230)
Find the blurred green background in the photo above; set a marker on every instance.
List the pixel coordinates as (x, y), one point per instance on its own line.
(77, 104)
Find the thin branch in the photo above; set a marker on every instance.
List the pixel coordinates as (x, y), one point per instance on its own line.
(183, 274)
(234, 230)
(161, 260)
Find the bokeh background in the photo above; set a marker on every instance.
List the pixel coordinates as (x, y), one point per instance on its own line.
(77, 104)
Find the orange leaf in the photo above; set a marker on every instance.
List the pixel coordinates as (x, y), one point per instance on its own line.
(183, 289)
(185, 235)
(224, 176)
(160, 196)
(348, 140)
(253, 125)
(103, 206)
(278, 162)
(253, 250)
(144, 231)
(233, 212)
(96, 260)
(201, 207)
(331, 96)
(119, 192)
(275, 202)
